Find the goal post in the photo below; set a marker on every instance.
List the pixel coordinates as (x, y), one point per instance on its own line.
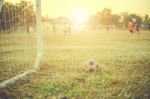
(39, 47)
(39, 36)
(1, 4)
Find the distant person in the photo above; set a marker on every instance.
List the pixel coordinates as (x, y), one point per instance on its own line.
(149, 26)
(130, 26)
(69, 29)
(65, 28)
(54, 28)
(137, 28)
(107, 28)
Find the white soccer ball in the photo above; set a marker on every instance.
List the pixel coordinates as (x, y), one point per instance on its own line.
(91, 65)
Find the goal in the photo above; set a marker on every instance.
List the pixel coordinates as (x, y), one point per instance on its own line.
(21, 39)
(106, 27)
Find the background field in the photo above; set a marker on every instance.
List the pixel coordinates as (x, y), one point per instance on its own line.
(124, 59)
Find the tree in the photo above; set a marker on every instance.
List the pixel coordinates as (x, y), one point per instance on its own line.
(147, 21)
(138, 18)
(21, 14)
(127, 17)
(105, 17)
(114, 19)
(146, 17)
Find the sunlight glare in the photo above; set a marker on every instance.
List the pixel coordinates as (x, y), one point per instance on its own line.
(80, 17)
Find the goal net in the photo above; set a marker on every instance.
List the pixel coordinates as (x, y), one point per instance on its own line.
(20, 39)
(106, 27)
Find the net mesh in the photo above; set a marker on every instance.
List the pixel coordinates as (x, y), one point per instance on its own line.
(17, 38)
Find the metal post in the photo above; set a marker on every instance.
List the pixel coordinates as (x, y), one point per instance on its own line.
(39, 34)
(1, 4)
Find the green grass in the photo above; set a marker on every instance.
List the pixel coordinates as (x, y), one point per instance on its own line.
(124, 59)
(17, 54)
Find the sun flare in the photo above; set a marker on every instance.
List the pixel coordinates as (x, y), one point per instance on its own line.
(80, 17)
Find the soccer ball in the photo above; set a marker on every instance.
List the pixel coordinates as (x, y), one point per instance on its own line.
(91, 65)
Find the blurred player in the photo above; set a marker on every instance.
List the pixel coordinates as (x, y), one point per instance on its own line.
(130, 26)
(54, 28)
(137, 28)
(69, 28)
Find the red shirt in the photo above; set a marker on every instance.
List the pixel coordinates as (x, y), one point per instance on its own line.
(130, 26)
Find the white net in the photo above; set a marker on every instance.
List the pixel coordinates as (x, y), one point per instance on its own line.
(18, 39)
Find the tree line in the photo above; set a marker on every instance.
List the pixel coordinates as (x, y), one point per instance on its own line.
(105, 17)
(22, 15)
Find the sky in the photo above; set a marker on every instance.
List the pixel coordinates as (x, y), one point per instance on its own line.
(71, 8)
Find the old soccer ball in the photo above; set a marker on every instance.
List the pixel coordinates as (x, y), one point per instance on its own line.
(91, 65)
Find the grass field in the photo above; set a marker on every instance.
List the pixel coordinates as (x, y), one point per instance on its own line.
(17, 54)
(124, 60)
